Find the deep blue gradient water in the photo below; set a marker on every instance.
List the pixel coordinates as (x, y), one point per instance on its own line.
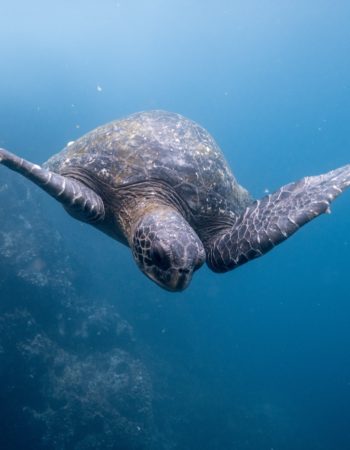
(268, 344)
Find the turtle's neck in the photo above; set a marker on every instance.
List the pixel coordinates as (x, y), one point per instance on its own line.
(133, 201)
(126, 204)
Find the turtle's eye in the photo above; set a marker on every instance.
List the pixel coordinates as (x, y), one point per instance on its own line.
(160, 257)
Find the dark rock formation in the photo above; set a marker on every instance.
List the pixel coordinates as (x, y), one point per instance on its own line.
(71, 376)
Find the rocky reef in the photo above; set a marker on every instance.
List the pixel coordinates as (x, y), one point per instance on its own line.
(71, 371)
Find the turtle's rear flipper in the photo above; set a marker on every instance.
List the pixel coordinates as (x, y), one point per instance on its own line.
(271, 220)
(80, 201)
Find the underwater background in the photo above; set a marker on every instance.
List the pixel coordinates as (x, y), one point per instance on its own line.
(92, 354)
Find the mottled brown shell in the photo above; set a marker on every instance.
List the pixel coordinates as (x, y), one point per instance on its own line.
(163, 146)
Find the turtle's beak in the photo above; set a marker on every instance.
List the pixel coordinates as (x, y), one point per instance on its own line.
(177, 282)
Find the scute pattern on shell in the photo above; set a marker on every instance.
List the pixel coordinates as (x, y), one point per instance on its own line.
(159, 145)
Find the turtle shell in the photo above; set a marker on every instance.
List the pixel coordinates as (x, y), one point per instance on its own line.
(158, 145)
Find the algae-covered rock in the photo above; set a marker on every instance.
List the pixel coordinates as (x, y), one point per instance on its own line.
(71, 376)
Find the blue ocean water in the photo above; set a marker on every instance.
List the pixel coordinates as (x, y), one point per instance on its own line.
(259, 357)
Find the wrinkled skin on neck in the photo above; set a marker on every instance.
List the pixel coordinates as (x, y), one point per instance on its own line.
(166, 248)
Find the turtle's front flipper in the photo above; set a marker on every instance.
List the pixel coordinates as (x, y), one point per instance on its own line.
(271, 220)
(80, 201)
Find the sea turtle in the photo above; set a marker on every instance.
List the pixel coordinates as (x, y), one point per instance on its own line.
(159, 183)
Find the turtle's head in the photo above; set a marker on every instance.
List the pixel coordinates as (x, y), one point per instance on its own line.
(166, 248)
